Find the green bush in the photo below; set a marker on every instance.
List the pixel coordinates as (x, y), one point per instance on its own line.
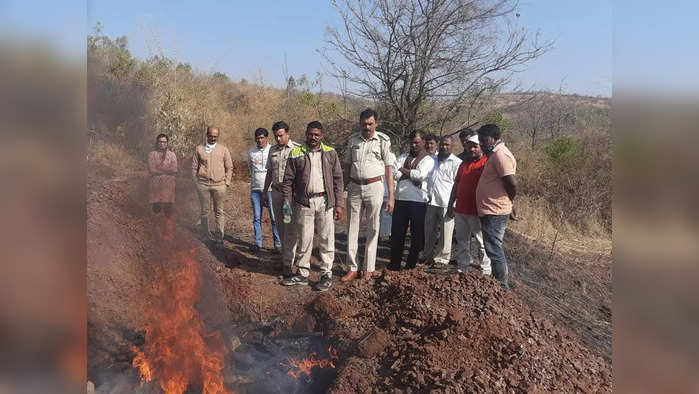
(562, 150)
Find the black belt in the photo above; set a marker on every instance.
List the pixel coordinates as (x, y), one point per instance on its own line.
(312, 195)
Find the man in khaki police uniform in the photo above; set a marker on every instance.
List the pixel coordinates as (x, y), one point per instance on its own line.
(276, 164)
(367, 158)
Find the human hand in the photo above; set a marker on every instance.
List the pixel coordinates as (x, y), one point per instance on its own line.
(338, 213)
(513, 214)
(389, 206)
(450, 212)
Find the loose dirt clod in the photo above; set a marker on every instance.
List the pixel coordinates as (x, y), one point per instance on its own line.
(420, 331)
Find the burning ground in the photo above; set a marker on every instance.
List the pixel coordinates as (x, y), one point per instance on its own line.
(172, 313)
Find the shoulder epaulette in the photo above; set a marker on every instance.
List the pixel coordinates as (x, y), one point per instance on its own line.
(383, 136)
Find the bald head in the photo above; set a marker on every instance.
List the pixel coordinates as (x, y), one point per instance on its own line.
(212, 134)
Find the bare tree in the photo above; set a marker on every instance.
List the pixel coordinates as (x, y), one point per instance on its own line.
(548, 113)
(426, 61)
(562, 114)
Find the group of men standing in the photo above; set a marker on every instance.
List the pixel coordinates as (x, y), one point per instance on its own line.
(438, 196)
(446, 198)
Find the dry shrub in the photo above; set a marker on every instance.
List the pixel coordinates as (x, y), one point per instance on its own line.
(114, 155)
(132, 100)
(566, 184)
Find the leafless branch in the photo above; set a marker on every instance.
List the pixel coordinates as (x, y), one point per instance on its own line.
(427, 61)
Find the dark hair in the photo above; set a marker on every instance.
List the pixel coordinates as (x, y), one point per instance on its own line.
(368, 113)
(161, 135)
(280, 125)
(466, 132)
(445, 137)
(430, 137)
(314, 125)
(417, 133)
(489, 130)
(261, 131)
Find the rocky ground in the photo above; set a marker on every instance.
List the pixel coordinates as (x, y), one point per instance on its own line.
(403, 332)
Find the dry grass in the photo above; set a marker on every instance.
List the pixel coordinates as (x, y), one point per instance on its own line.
(115, 156)
(537, 221)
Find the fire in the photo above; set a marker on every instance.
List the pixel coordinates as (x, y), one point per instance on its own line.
(178, 351)
(304, 367)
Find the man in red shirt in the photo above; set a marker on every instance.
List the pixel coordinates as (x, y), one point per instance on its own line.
(466, 222)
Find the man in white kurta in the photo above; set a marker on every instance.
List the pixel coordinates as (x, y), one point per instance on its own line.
(439, 227)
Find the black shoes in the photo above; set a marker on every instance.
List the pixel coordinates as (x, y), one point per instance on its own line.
(295, 280)
(325, 282)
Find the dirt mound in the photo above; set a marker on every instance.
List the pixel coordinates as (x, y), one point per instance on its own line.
(421, 332)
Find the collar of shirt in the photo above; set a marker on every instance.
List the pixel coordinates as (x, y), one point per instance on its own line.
(373, 136)
(451, 157)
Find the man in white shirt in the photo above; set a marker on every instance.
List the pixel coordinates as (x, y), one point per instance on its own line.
(412, 171)
(257, 163)
(439, 227)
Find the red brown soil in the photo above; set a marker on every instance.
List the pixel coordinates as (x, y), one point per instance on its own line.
(409, 331)
(417, 331)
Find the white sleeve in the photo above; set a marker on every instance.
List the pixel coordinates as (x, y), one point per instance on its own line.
(422, 171)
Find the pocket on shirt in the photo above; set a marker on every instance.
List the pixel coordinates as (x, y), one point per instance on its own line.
(355, 153)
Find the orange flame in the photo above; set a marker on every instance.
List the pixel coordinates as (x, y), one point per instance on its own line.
(304, 367)
(177, 350)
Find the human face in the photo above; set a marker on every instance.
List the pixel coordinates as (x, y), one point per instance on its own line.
(313, 138)
(261, 140)
(367, 126)
(431, 147)
(281, 136)
(417, 145)
(473, 151)
(487, 143)
(445, 147)
(464, 141)
(162, 143)
(212, 136)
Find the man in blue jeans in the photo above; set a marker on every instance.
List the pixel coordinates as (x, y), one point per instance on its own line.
(257, 163)
(495, 195)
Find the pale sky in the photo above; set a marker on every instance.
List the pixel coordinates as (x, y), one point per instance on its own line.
(648, 45)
